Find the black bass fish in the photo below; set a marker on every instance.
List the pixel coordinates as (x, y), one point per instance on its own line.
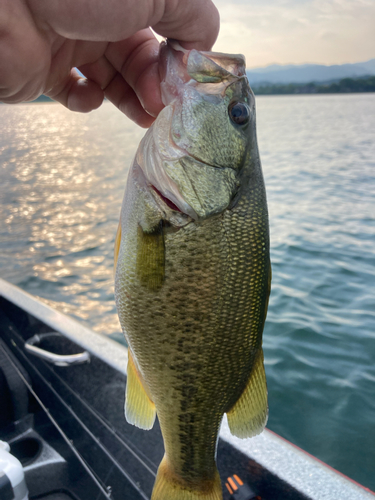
(193, 270)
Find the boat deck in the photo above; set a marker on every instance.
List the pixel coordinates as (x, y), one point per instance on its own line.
(87, 449)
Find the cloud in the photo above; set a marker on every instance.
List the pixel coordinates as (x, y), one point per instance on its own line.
(297, 31)
(328, 35)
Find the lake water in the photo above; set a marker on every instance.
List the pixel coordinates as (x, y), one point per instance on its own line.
(62, 182)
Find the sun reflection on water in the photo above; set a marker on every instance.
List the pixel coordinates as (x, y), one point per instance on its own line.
(64, 176)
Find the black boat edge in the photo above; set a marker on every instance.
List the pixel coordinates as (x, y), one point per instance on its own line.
(62, 414)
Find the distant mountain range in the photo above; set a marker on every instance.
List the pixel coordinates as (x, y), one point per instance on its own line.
(274, 79)
(305, 73)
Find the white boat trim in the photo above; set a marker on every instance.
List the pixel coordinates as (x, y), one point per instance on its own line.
(301, 470)
(106, 349)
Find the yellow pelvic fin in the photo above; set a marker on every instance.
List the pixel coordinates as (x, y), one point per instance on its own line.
(117, 245)
(139, 409)
(150, 257)
(170, 487)
(249, 415)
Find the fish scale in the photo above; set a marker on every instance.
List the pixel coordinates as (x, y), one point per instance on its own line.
(187, 322)
(192, 298)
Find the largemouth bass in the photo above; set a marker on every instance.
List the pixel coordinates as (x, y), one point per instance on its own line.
(193, 270)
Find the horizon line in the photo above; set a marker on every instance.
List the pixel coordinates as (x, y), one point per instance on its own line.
(308, 64)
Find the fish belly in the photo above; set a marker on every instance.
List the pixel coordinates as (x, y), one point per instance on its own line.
(195, 337)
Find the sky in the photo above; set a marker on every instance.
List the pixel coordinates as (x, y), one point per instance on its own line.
(297, 31)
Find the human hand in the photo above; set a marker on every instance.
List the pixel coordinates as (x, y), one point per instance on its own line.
(42, 41)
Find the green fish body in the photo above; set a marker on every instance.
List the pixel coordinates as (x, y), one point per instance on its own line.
(193, 270)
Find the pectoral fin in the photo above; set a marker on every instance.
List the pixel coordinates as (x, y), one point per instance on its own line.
(139, 409)
(248, 416)
(150, 257)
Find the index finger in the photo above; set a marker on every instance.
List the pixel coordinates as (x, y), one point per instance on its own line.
(195, 23)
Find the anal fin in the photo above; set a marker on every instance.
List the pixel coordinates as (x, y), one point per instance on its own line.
(249, 414)
(139, 409)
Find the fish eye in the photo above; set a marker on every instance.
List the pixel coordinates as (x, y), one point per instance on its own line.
(239, 113)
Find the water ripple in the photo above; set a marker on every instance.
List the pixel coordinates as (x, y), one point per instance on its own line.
(63, 176)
